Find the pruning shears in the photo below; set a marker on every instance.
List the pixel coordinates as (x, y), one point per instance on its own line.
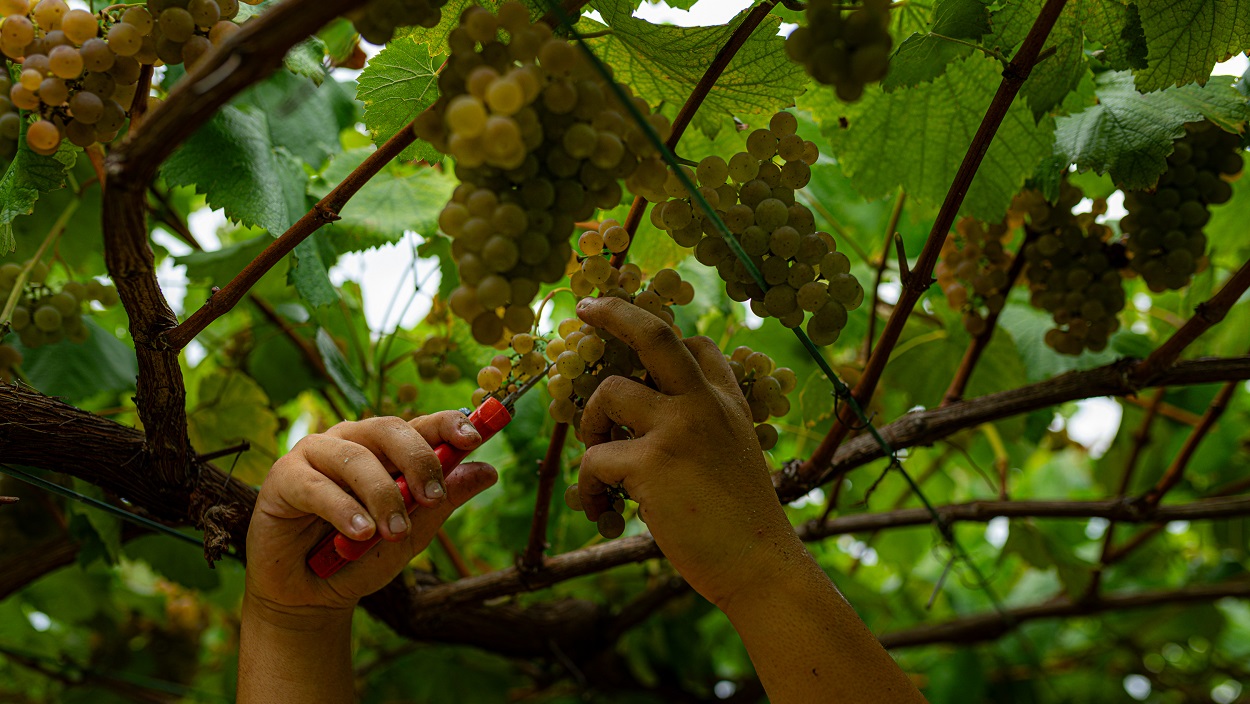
(336, 550)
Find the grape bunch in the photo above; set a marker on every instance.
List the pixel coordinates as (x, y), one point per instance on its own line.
(10, 360)
(45, 316)
(431, 360)
(79, 72)
(376, 22)
(765, 387)
(540, 142)
(972, 271)
(611, 523)
(1163, 227)
(844, 52)
(10, 119)
(507, 372)
(754, 197)
(585, 356)
(1074, 274)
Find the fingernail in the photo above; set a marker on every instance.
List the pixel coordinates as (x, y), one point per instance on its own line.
(360, 524)
(399, 524)
(468, 431)
(434, 490)
(584, 304)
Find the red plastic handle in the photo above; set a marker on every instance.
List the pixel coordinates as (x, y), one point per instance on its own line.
(336, 550)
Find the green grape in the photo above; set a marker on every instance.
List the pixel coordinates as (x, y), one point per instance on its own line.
(47, 318)
(611, 524)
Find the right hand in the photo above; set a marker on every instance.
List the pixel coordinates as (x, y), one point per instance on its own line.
(694, 467)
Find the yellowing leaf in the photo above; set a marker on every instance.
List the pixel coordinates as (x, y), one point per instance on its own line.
(233, 408)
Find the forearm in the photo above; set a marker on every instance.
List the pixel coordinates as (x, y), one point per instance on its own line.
(809, 645)
(285, 657)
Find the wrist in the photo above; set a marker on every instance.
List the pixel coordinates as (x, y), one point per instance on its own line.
(788, 572)
(298, 619)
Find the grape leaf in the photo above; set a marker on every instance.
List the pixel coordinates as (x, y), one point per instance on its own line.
(340, 371)
(174, 559)
(27, 176)
(1129, 134)
(1043, 551)
(399, 199)
(1185, 38)
(1117, 27)
(303, 119)
(916, 138)
(232, 408)
(233, 161)
(663, 64)
(923, 57)
(399, 82)
(305, 59)
(1056, 76)
(77, 372)
(310, 271)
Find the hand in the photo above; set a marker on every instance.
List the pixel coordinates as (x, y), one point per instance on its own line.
(694, 466)
(308, 487)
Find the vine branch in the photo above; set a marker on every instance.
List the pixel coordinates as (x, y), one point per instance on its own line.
(919, 281)
(1172, 476)
(548, 470)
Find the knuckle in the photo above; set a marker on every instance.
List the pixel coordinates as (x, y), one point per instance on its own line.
(341, 427)
(656, 333)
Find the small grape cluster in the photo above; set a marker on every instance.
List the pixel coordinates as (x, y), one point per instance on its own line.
(754, 197)
(376, 22)
(431, 360)
(972, 271)
(585, 356)
(507, 372)
(1074, 274)
(1163, 227)
(765, 386)
(46, 316)
(540, 142)
(10, 360)
(611, 523)
(81, 80)
(844, 52)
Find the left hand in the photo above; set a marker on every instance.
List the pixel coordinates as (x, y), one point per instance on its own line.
(308, 487)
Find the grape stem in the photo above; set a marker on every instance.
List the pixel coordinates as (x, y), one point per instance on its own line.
(1176, 470)
(891, 233)
(992, 53)
(919, 281)
(548, 470)
(54, 233)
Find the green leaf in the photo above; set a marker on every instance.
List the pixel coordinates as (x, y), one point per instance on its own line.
(27, 176)
(304, 119)
(1117, 27)
(1056, 76)
(916, 138)
(175, 560)
(310, 271)
(233, 161)
(305, 59)
(923, 57)
(102, 364)
(1185, 38)
(343, 376)
(100, 533)
(398, 83)
(1044, 550)
(340, 40)
(400, 198)
(663, 63)
(220, 266)
(1129, 135)
(232, 408)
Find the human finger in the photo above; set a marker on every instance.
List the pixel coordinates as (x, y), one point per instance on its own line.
(452, 427)
(620, 401)
(604, 466)
(318, 495)
(712, 361)
(659, 348)
(463, 483)
(352, 465)
(407, 451)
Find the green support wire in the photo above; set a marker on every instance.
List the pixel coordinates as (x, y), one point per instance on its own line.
(840, 392)
(123, 514)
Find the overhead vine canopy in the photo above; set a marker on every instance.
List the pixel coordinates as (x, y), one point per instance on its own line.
(980, 268)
